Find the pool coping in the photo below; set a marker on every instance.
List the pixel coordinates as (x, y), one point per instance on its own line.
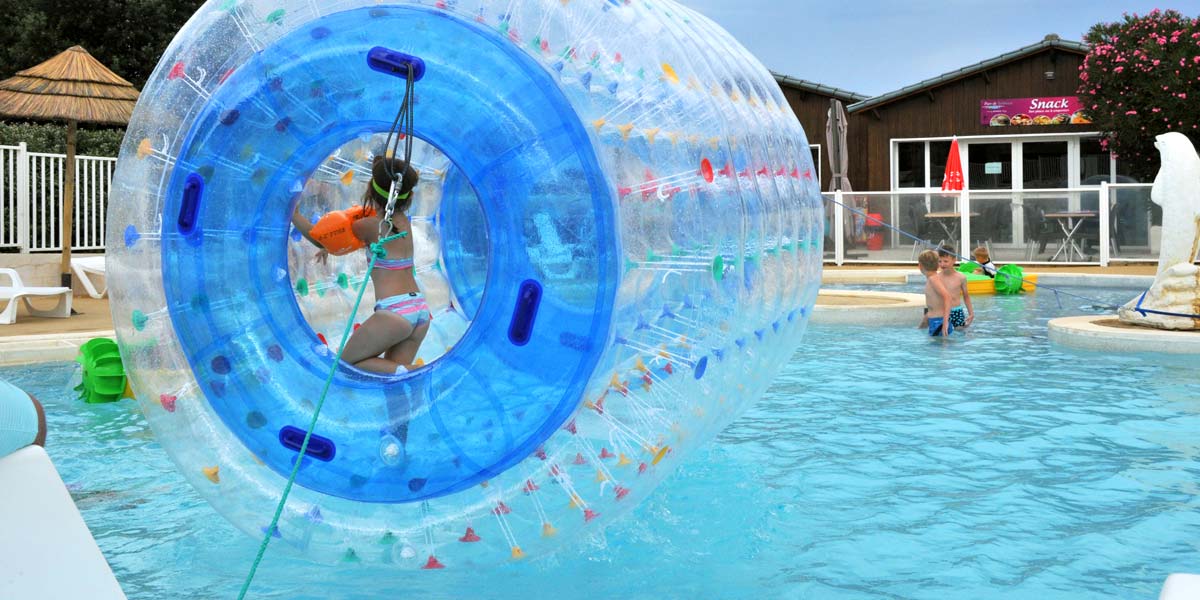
(893, 309)
(1045, 278)
(1084, 333)
(31, 349)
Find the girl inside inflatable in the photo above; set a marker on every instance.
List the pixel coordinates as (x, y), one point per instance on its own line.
(402, 316)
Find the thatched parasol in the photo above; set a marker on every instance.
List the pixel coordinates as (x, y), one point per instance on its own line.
(71, 87)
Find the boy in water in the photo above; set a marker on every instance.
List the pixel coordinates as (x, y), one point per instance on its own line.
(937, 298)
(956, 284)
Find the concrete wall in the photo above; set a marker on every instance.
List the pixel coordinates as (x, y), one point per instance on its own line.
(38, 269)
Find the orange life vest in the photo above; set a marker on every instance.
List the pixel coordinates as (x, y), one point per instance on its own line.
(335, 231)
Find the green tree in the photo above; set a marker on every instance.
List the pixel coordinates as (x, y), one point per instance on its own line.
(52, 137)
(1140, 79)
(128, 36)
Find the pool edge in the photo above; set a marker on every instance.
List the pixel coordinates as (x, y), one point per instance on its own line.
(33, 349)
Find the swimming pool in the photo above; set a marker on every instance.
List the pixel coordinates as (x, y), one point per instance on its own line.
(882, 463)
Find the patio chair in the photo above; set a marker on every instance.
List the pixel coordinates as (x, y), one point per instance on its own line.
(86, 266)
(1124, 208)
(1089, 235)
(18, 290)
(992, 224)
(1123, 216)
(1040, 232)
(926, 230)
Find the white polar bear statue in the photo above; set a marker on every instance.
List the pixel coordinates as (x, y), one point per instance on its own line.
(1176, 287)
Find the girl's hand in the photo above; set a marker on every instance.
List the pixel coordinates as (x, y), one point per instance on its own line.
(322, 256)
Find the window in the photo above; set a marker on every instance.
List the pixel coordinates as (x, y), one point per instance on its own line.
(1094, 163)
(910, 158)
(815, 149)
(939, 153)
(988, 161)
(990, 166)
(1123, 174)
(1044, 165)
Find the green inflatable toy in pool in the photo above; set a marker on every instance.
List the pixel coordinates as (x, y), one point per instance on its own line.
(1010, 280)
(103, 373)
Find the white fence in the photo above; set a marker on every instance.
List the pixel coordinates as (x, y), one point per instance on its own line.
(1027, 226)
(31, 189)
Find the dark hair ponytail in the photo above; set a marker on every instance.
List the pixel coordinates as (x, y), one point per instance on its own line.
(383, 172)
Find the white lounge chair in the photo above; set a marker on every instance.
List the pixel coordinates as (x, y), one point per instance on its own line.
(86, 266)
(20, 291)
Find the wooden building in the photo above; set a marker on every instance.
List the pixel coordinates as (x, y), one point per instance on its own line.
(810, 102)
(1028, 152)
(900, 140)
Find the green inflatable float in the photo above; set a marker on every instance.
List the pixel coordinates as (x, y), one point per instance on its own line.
(1009, 279)
(103, 373)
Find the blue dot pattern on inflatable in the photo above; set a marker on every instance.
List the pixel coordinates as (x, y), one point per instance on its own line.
(625, 229)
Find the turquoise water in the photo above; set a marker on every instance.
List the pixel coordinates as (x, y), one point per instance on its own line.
(882, 464)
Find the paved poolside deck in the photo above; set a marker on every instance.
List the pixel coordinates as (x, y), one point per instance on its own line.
(93, 316)
(1128, 269)
(848, 299)
(37, 339)
(42, 339)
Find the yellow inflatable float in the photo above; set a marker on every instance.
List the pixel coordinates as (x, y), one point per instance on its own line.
(1010, 279)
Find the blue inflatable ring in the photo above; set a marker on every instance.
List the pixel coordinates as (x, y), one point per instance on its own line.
(618, 213)
(468, 436)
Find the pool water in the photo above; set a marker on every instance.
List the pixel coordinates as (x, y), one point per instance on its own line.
(882, 463)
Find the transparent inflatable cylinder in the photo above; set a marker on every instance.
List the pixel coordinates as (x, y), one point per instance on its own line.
(618, 230)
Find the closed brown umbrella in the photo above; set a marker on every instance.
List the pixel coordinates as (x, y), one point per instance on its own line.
(835, 141)
(73, 88)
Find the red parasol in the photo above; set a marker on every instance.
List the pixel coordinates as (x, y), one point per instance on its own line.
(953, 180)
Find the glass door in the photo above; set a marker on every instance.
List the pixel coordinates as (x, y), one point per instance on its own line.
(989, 165)
(1044, 165)
(990, 172)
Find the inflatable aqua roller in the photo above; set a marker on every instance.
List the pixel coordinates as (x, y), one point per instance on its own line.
(618, 228)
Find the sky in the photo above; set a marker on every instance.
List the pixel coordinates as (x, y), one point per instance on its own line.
(876, 46)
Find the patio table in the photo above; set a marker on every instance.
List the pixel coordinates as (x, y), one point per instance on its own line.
(949, 221)
(1070, 222)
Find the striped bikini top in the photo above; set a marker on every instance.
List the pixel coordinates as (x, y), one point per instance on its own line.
(394, 264)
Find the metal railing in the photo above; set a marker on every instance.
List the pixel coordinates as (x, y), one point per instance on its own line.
(1046, 226)
(31, 189)
(1027, 226)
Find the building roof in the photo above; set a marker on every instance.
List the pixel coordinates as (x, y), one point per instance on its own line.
(1051, 41)
(818, 88)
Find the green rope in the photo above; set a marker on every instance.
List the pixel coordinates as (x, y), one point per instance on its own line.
(377, 252)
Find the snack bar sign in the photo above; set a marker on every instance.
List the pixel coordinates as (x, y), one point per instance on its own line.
(1017, 112)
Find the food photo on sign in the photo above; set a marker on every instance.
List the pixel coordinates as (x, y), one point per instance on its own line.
(1018, 112)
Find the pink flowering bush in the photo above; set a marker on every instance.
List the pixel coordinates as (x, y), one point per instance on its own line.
(1142, 78)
